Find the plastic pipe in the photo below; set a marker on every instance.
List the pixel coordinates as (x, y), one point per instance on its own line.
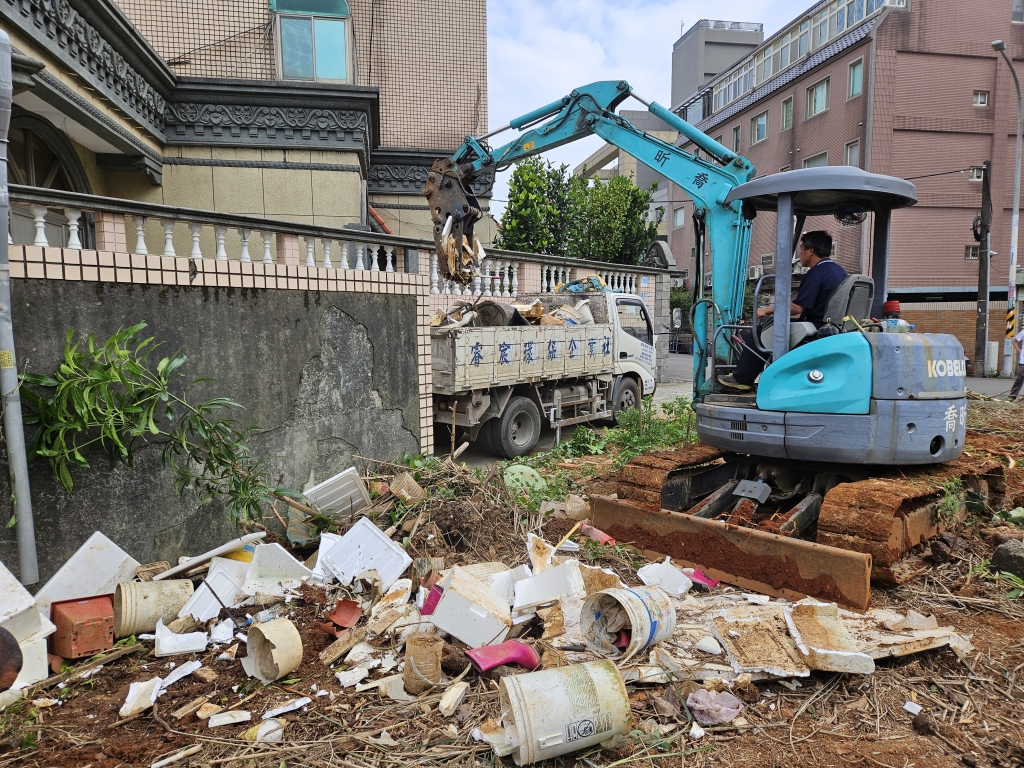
(14, 430)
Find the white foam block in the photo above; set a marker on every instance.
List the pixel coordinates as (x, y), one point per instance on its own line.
(96, 568)
(18, 614)
(273, 572)
(363, 548)
(471, 611)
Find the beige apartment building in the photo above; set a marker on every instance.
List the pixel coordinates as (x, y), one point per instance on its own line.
(312, 111)
(910, 88)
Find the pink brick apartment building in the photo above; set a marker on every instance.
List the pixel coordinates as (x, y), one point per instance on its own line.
(910, 88)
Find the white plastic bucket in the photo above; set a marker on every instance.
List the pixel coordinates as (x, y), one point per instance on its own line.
(650, 618)
(138, 604)
(563, 710)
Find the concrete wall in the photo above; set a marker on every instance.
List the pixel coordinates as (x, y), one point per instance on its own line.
(326, 374)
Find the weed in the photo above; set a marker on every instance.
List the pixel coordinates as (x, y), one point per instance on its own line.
(1016, 582)
(952, 498)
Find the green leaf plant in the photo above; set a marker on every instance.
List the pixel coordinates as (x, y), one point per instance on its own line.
(113, 397)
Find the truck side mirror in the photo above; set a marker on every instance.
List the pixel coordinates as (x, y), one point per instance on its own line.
(677, 319)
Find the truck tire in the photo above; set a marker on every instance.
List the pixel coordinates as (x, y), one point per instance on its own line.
(627, 395)
(485, 437)
(518, 430)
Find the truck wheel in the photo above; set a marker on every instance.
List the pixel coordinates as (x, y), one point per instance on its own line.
(517, 431)
(485, 437)
(627, 395)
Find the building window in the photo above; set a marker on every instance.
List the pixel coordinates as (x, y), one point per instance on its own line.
(720, 139)
(817, 98)
(980, 98)
(841, 15)
(736, 139)
(784, 168)
(787, 113)
(855, 79)
(972, 252)
(759, 128)
(786, 50)
(817, 161)
(853, 153)
(739, 82)
(679, 217)
(1018, 10)
(313, 39)
(977, 173)
(767, 260)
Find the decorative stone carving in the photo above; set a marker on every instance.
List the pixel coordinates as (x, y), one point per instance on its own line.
(266, 123)
(59, 27)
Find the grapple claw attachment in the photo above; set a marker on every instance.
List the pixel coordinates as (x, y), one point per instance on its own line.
(453, 212)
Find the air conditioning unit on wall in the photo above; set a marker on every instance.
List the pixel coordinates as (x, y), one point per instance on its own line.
(707, 279)
(755, 272)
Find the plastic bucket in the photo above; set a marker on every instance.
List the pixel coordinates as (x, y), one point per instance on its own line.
(138, 604)
(563, 710)
(646, 612)
(274, 649)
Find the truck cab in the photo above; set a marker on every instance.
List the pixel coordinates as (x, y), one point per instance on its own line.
(499, 383)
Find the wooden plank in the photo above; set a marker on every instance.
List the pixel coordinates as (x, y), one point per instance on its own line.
(764, 561)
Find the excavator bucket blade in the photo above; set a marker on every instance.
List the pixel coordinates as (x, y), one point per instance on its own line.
(453, 211)
(749, 558)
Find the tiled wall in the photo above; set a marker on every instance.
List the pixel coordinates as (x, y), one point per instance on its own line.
(108, 267)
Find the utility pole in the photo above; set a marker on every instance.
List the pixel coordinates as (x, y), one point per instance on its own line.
(1011, 292)
(983, 235)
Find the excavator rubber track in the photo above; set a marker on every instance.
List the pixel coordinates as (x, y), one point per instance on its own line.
(769, 523)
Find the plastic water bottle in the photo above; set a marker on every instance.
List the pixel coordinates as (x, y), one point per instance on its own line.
(896, 325)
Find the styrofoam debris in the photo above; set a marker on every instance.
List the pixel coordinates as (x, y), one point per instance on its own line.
(344, 493)
(470, 611)
(96, 568)
(223, 632)
(350, 677)
(365, 547)
(708, 645)
(229, 718)
(666, 576)
(141, 696)
(225, 577)
(181, 672)
(319, 573)
(170, 644)
(913, 708)
(504, 582)
(288, 706)
(546, 587)
(273, 572)
(696, 732)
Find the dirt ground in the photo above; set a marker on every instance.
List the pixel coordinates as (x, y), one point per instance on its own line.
(973, 707)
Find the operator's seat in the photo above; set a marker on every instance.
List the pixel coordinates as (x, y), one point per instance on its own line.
(852, 298)
(799, 332)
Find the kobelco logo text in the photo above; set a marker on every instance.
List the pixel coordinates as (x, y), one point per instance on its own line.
(947, 368)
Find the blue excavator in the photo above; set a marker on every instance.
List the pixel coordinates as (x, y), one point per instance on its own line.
(833, 405)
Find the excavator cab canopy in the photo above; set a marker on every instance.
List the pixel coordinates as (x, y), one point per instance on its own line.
(845, 192)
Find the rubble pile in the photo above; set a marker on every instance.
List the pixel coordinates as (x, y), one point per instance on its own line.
(467, 632)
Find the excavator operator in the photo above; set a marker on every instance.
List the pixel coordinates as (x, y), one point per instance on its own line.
(818, 284)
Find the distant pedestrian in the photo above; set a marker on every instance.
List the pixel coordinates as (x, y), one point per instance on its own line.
(10, 659)
(1018, 347)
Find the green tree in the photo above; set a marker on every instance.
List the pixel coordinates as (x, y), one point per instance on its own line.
(525, 225)
(554, 212)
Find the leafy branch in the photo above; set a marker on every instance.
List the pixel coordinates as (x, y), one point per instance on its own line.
(110, 396)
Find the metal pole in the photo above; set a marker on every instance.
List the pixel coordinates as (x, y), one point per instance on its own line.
(1011, 291)
(14, 431)
(783, 276)
(981, 361)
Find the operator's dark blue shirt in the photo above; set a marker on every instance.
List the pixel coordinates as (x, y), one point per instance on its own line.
(816, 288)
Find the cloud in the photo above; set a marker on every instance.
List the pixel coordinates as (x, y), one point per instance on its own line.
(539, 50)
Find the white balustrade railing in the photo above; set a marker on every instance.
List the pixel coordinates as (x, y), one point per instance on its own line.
(503, 278)
(208, 234)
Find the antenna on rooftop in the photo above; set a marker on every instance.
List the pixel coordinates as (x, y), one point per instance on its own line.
(682, 26)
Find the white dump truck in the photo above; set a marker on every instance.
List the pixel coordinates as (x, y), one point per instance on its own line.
(496, 380)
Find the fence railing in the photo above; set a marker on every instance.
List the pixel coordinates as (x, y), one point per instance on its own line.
(43, 217)
(504, 276)
(48, 218)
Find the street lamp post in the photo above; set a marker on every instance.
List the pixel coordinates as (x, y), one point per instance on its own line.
(1011, 292)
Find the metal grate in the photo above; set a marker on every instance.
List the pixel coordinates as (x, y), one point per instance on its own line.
(208, 38)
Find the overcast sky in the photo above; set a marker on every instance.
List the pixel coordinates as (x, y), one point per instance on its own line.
(539, 50)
